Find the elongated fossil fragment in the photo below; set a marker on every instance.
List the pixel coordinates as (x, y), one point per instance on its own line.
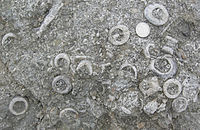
(146, 50)
(52, 14)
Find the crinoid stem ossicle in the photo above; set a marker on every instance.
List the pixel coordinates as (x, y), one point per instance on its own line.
(126, 34)
(148, 13)
(168, 74)
(5, 37)
(65, 80)
(64, 111)
(13, 103)
(167, 85)
(146, 50)
(129, 65)
(61, 56)
(180, 104)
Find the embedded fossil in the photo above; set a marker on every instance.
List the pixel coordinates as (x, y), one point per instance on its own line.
(61, 56)
(142, 29)
(168, 50)
(146, 50)
(151, 107)
(172, 88)
(125, 110)
(180, 104)
(52, 14)
(149, 86)
(5, 37)
(61, 84)
(18, 106)
(129, 101)
(115, 89)
(86, 63)
(120, 37)
(156, 14)
(171, 39)
(69, 116)
(123, 66)
(170, 72)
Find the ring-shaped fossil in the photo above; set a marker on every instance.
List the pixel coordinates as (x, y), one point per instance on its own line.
(13, 103)
(173, 67)
(131, 66)
(148, 13)
(124, 39)
(180, 104)
(61, 56)
(61, 81)
(167, 85)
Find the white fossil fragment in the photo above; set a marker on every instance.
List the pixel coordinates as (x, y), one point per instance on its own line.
(161, 107)
(52, 14)
(172, 88)
(18, 106)
(146, 50)
(151, 107)
(119, 35)
(171, 39)
(126, 64)
(150, 86)
(83, 57)
(86, 63)
(180, 104)
(168, 49)
(5, 37)
(125, 110)
(171, 72)
(61, 84)
(59, 57)
(156, 14)
(143, 29)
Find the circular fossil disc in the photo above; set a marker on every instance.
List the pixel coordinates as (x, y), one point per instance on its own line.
(125, 33)
(61, 84)
(180, 104)
(18, 106)
(143, 29)
(166, 88)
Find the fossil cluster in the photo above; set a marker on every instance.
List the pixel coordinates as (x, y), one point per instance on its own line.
(99, 65)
